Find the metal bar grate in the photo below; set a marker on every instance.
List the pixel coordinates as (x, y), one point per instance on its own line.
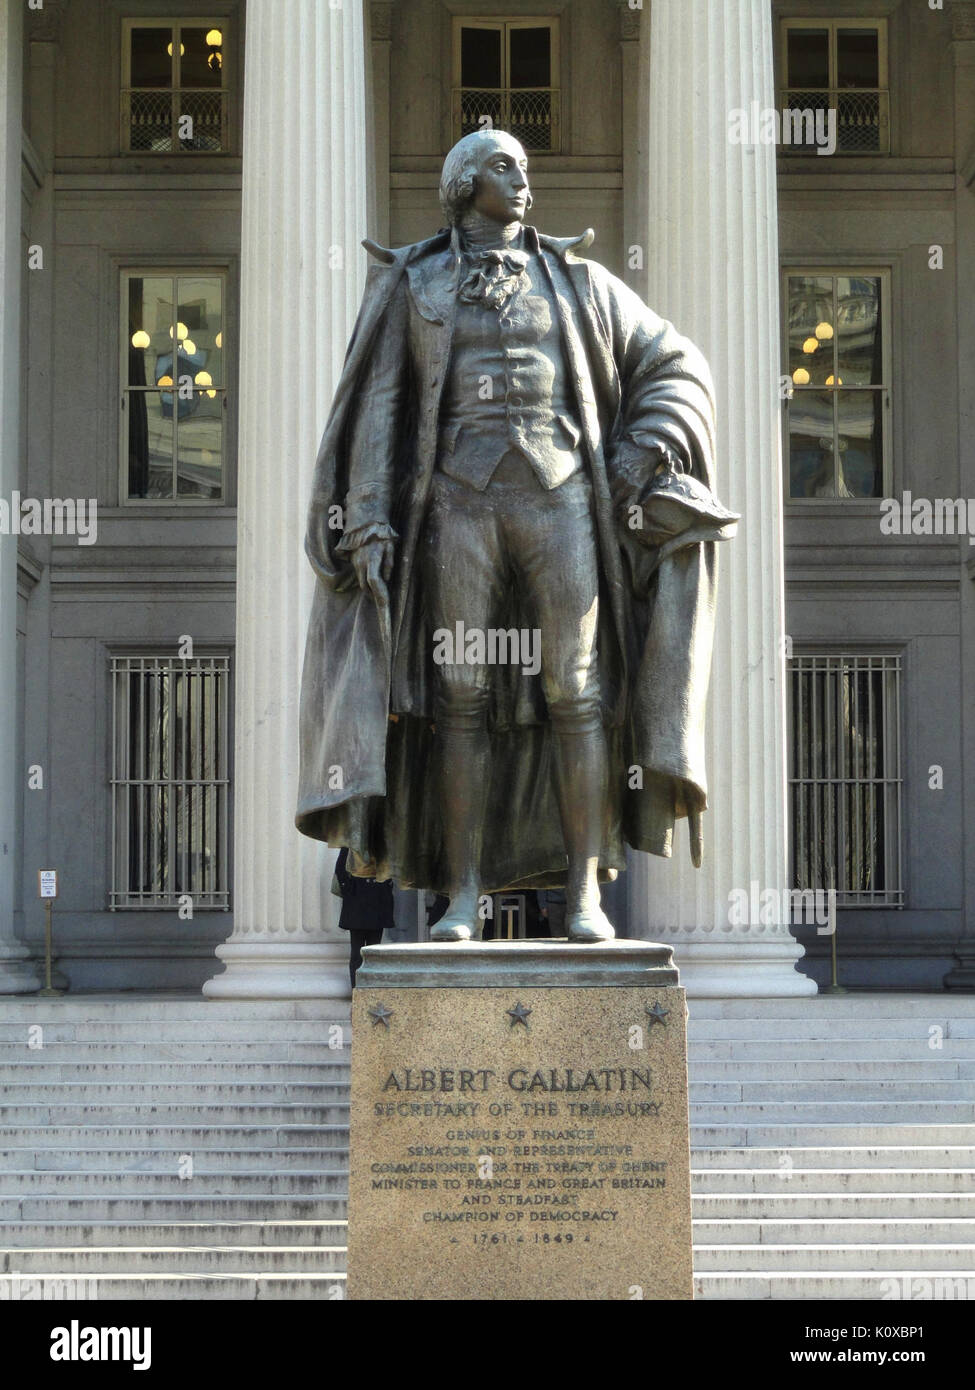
(170, 781)
(845, 778)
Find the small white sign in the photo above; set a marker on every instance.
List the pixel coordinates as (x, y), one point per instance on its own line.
(47, 883)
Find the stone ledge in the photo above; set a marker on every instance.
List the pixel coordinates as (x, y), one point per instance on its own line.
(553, 964)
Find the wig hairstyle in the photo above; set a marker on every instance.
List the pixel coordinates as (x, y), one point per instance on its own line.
(458, 178)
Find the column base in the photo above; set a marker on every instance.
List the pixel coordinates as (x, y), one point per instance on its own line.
(19, 973)
(274, 969)
(741, 969)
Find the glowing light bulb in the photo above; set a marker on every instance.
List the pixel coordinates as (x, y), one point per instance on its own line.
(140, 338)
(189, 347)
(824, 331)
(800, 376)
(212, 395)
(810, 345)
(219, 340)
(834, 381)
(165, 381)
(214, 38)
(203, 379)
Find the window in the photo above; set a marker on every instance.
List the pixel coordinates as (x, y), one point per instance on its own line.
(845, 783)
(170, 733)
(174, 390)
(839, 65)
(836, 341)
(174, 94)
(504, 76)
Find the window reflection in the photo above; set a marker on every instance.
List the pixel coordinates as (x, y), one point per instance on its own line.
(175, 386)
(836, 367)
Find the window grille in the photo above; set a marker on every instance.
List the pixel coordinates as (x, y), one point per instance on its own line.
(838, 65)
(862, 118)
(174, 96)
(170, 781)
(845, 782)
(506, 78)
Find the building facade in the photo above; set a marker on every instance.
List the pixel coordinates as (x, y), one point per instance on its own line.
(186, 189)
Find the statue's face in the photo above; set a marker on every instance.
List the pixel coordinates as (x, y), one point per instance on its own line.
(501, 190)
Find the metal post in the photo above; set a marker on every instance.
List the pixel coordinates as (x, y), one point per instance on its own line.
(834, 987)
(48, 992)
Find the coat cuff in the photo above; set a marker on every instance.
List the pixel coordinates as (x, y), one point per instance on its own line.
(373, 531)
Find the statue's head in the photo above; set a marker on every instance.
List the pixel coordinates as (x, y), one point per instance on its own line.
(487, 171)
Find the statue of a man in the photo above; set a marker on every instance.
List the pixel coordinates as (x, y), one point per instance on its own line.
(513, 531)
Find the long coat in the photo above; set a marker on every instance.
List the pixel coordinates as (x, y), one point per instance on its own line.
(367, 776)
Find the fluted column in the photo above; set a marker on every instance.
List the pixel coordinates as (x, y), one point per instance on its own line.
(17, 976)
(302, 274)
(962, 974)
(713, 271)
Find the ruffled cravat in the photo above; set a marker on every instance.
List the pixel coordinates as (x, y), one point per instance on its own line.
(492, 277)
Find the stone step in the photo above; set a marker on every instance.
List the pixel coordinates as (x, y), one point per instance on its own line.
(889, 1004)
(840, 1069)
(851, 1052)
(833, 1092)
(164, 1030)
(879, 1156)
(191, 1137)
(838, 1134)
(827, 1285)
(837, 1112)
(116, 1234)
(127, 1114)
(155, 1160)
(816, 1231)
(135, 1183)
(125, 1091)
(793, 1258)
(833, 1180)
(128, 1206)
(92, 1261)
(184, 1287)
(330, 1071)
(199, 1052)
(834, 1205)
(163, 1007)
(821, 1029)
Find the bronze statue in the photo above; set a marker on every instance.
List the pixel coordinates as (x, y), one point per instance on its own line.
(513, 532)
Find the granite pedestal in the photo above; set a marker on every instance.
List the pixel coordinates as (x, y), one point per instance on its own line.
(519, 1124)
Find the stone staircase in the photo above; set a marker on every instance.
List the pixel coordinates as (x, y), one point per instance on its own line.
(833, 1147)
(165, 1148)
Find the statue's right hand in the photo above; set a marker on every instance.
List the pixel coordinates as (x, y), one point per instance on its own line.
(373, 565)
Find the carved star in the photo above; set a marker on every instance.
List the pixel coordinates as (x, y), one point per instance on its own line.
(657, 1015)
(519, 1014)
(380, 1014)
